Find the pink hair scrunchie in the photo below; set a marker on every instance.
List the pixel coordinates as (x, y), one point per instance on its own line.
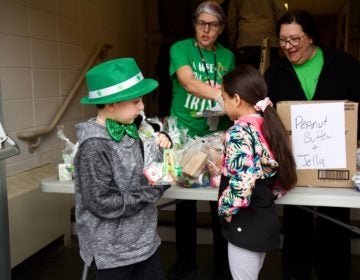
(262, 104)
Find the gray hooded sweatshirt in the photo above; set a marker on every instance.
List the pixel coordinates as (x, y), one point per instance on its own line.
(116, 215)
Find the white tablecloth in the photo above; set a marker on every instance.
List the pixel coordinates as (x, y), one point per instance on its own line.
(308, 196)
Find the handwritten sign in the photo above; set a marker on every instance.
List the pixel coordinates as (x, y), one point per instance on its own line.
(318, 135)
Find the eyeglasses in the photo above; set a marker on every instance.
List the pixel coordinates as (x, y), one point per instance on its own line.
(293, 41)
(214, 25)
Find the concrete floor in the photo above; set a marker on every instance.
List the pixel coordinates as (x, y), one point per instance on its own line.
(56, 262)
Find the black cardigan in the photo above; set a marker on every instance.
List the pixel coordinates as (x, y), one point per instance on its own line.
(339, 80)
(255, 227)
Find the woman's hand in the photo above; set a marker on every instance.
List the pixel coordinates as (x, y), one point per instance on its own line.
(163, 140)
(228, 219)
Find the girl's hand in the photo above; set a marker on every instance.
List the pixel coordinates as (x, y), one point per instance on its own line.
(163, 140)
(228, 219)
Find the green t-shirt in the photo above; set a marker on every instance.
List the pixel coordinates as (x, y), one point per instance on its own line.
(185, 104)
(309, 72)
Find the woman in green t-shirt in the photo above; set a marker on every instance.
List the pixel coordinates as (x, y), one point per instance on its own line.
(197, 66)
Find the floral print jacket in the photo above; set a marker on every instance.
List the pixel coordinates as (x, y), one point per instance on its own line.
(246, 158)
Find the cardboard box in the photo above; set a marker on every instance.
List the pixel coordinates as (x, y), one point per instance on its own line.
(323, 176)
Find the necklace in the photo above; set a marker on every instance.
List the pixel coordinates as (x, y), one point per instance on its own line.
(204, 64)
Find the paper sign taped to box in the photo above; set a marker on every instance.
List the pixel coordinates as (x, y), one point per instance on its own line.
(316, 130)
(327, 177)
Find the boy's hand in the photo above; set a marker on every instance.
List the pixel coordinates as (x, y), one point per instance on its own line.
(163, 140)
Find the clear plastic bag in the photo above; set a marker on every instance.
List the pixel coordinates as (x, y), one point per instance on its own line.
(178, 136)
(66, 167)
(215, 149)
(152, 151)
(201, 161)
(192, 159)
(156, 161)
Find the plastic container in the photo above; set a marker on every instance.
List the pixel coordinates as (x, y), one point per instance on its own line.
(203, 180)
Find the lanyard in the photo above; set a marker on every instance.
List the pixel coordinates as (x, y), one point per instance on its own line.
(204, 64)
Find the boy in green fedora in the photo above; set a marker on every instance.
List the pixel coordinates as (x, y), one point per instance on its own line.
(116, 215)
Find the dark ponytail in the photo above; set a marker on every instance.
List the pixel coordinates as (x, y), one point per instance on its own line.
(279, 143)
(247, 82)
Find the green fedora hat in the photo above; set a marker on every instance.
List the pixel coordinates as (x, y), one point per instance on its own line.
(116, 80)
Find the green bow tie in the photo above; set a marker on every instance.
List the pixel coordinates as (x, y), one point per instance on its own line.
(117, 130)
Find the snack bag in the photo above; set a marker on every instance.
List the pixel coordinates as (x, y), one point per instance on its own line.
(215, 148)
(147, 133)
(178, 136)
(193, 164)
(201, 161)
(158, 166)
(203, 180)
(153, 172)
(180, 139)
(66, 168)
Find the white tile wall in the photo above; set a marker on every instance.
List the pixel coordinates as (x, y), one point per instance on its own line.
(18, 114)
(67, 80)
(14, 51)
(70, 56)
(45, 54)
(107, 35)
(45, 109)
(108, 19)
(89, 13)
(23, 2)
(49, 144)
(46, 83)
(89, 35)
(70, 9)
(14, 19)
(43, 25)
(44, 5)
(16, 83)
(44, 45)
(69, 31)
(73, 112)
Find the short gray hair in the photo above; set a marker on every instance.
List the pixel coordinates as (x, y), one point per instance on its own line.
(212, 8)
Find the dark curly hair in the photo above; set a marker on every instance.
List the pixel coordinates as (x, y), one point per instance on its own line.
(305, 20)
